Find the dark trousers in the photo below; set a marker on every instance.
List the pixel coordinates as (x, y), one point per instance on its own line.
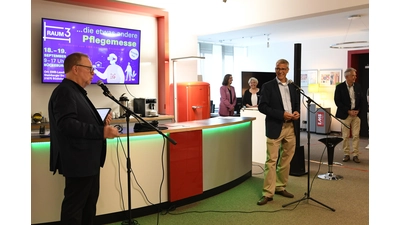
(80, 199)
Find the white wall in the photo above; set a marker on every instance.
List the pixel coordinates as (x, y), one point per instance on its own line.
(148, 72)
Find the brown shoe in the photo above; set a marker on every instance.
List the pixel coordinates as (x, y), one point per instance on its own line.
(355, 159)
(284, 193)
(263, 200)
(346, 158)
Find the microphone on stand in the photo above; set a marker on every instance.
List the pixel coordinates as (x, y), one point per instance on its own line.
(298, 88)
(104, 87)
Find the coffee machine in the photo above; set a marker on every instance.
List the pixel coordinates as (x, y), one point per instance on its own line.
(150, 107)
(145, 107)
(124, 101)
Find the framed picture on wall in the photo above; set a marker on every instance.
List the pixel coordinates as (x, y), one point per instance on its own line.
(329, 77)
(308, 77)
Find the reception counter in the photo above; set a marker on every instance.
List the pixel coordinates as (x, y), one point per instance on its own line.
(209, 154)
(258, 138)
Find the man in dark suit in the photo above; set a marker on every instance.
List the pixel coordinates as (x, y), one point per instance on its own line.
(280, 103)
(77, 141)
(348, 99)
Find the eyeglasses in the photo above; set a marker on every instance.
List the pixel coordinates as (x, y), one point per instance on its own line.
(281, 69)
(89, 67)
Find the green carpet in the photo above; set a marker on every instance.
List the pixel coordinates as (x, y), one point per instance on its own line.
(349, 197)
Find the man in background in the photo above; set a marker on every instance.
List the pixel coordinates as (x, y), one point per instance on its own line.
(348, 99)
(77, 141)
(279, 101)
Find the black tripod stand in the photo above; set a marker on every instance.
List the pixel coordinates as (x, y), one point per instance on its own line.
(307, 194)
(128, 113)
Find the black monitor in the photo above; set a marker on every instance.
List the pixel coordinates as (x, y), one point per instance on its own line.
(262, 77)
(238, 106)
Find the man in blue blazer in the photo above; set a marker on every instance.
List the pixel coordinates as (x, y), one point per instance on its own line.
(280, 103)
(348, 99)
(77, 141)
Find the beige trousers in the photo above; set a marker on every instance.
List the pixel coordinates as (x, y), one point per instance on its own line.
(354, 122)
(276, 172)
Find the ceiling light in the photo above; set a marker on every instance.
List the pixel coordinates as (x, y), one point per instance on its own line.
(350, 44)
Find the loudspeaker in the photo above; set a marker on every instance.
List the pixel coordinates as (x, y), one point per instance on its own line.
(297, 80)
(297, 165)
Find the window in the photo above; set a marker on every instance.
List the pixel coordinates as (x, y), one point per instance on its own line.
(220, 60)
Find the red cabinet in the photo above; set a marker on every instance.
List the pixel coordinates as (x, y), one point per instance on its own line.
(193, 101)
(185, 165)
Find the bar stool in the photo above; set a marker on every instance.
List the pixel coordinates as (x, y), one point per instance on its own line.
(330, 143)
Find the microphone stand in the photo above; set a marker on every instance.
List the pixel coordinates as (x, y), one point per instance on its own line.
(307, 194)
(128, 113)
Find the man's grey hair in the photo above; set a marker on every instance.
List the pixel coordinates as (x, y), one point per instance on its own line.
(348, 70)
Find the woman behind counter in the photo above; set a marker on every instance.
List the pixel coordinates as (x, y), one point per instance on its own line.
(228, 97)
(250, 96)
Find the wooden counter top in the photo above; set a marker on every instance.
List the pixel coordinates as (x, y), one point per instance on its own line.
(175, 127)
(148, 119)
(36, 126)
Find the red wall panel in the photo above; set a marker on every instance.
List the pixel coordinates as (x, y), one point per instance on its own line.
(185, 165)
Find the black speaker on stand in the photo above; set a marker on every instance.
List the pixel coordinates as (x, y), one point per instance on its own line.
(297, 165)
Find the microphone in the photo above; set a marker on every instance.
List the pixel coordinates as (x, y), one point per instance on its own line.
(104, 87)
(298, 88)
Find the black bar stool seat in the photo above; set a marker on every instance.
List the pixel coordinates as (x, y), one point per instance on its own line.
(330, 143)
